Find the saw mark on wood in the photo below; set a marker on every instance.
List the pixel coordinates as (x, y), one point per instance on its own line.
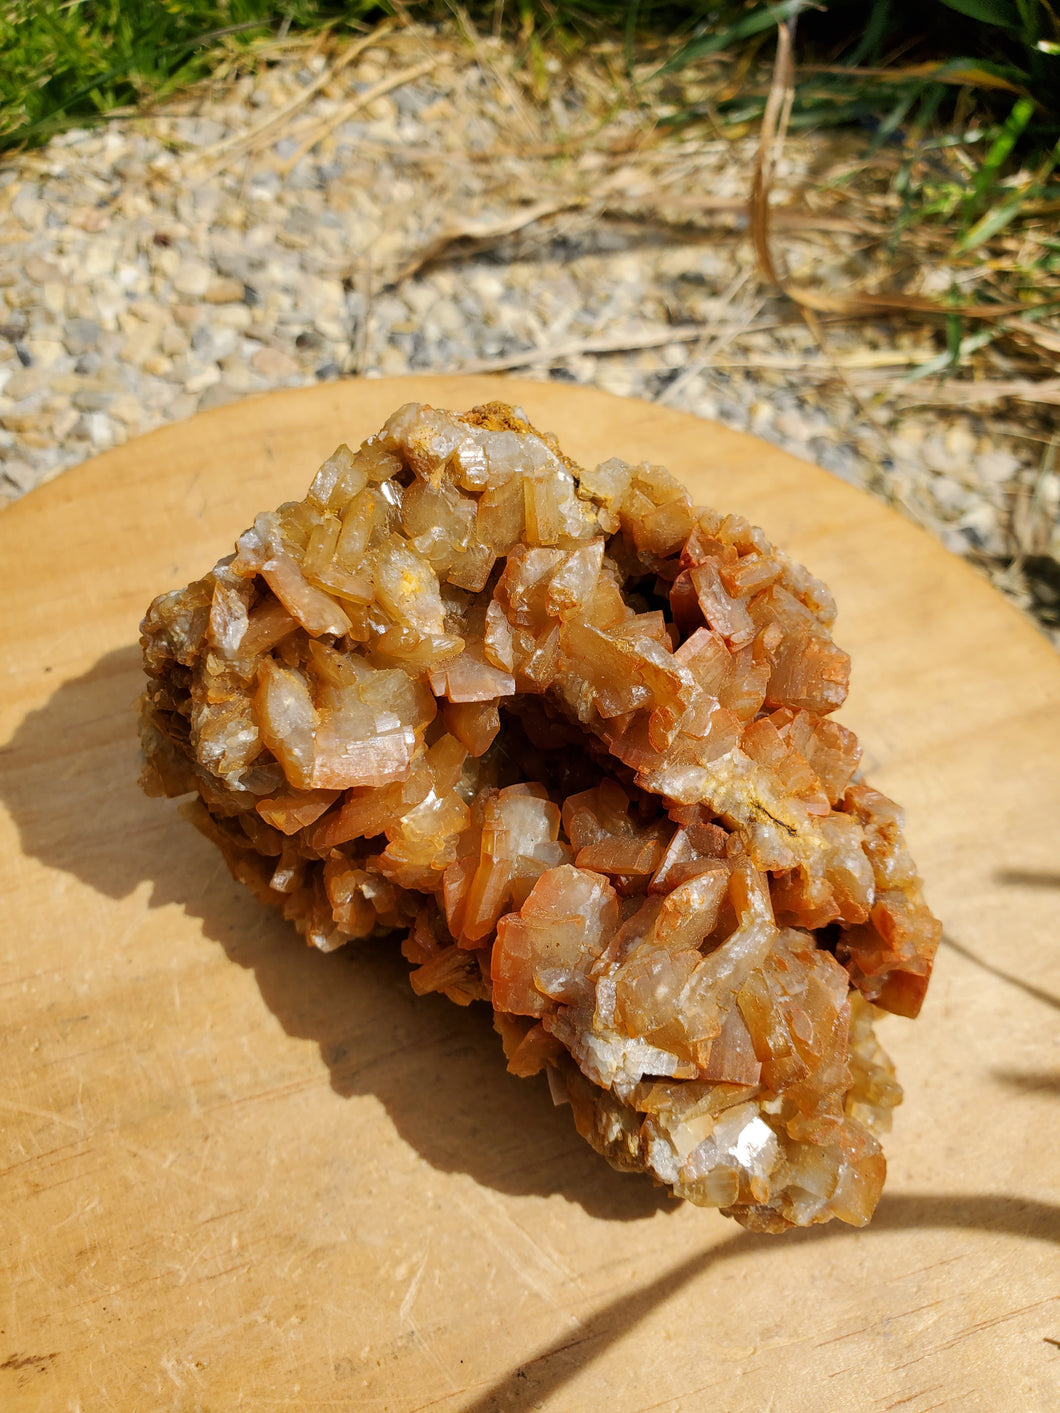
(39, 1362)
(280, 1091)
(48, 1153)
(453, 1039)
(682, 1400)
(920, 1393)
(920, 1270)
(94, 1049)
(551, 1354)
(31, 975)
(548, 1257)
(446, 1397)
(168, 1166)
(978, 1328)
(540, 1286)
(83, 1171)
(49, 1114)
(221, 1216)
(404, 1316)
(240, 1266)
(886, 1319)
(405, 1309)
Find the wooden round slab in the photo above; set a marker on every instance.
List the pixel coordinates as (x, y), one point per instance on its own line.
(239, 1174)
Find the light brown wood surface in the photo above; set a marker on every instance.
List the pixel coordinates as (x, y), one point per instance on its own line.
(237, 1174)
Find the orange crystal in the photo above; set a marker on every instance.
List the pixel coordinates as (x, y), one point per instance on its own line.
(569, 734)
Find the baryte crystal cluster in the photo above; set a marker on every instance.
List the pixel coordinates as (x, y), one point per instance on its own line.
(569, 737)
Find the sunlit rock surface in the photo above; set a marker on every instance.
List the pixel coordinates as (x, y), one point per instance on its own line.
(568, 737)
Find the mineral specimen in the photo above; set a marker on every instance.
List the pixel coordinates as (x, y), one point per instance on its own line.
(571, 736)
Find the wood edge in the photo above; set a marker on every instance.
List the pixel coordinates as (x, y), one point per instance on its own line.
(79, 482)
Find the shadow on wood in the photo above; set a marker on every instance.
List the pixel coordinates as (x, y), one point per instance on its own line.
(556, 1365)
(449, 1094)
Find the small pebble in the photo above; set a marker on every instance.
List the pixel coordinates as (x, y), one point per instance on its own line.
(205, 378)
(89, 401)
(192, 279)
(217, 395)
(80, 334)
(224, 291)
(273, 364)
(980, 528)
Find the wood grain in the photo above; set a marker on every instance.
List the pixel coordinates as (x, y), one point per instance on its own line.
(238, 1174)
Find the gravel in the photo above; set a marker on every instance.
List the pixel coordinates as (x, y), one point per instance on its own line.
(269, 232)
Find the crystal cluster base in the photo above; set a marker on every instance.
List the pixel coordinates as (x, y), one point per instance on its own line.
(570, 738)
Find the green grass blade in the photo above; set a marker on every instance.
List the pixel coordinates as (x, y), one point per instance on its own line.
(55, 117)
(996, 219)
(763, 18)
(999, 216)
(987, 12)
(1000, 149)
(879, 23)
(955, 352)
